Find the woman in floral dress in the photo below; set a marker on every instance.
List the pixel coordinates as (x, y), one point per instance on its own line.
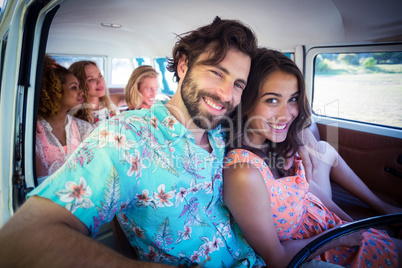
(255, 179)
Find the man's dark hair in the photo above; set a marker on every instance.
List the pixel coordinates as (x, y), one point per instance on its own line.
(216, 38)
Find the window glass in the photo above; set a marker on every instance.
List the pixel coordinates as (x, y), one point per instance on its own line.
(3, 4)
(290, 55)
(66, 61)
(365, 87)
(121, 70)
(141, 61)
(166, 84)
(165, 78)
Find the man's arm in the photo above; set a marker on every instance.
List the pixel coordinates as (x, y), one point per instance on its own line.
(44, 234)
(309, 153)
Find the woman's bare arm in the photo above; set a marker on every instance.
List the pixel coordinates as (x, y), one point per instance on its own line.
(247, 197)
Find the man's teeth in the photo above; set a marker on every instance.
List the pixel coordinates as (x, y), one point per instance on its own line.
(213, 105)
(279, 127)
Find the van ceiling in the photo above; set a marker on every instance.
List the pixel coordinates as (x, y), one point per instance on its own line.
(149, 27)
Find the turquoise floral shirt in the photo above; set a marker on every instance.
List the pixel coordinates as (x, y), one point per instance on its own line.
(145, 167)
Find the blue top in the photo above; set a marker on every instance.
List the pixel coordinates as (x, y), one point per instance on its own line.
(144, 166)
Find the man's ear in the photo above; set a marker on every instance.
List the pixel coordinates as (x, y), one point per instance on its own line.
(182, 66)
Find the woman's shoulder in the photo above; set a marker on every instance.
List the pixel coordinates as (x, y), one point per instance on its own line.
(113, 107)
(43, 126)
(240, 155)
(78, 121)
(81, 124)
(244, 167)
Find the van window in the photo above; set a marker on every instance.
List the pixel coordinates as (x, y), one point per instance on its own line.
(364, 87)
(66, 61)
(290, 55)
(121, 70)
(3, 4)
(141, 61)
(166, 83)
(165, 78)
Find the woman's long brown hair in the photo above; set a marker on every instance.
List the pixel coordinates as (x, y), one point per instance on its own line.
(85, 113)
(263, 65)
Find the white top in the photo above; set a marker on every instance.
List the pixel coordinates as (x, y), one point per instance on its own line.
(103, 114)
(49, 149)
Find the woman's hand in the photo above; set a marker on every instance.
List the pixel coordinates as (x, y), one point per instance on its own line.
(352, 240)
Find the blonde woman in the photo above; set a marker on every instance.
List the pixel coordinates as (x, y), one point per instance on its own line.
(97, 106)
(141, 88)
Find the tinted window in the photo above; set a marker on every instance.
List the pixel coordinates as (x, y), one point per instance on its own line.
(166, 83)
(365, 87)
(121, 70)
(66, 61)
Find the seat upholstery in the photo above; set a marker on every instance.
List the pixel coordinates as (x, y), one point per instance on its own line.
(314, 130)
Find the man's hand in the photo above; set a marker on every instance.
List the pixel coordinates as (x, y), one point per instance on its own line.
(309, 153)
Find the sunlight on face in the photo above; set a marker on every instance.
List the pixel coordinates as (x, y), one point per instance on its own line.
(95, 82)
(72, 94)
(148, 89)
(210, 93)
(276, 109)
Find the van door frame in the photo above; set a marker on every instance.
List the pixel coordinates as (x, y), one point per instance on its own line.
(28, 27)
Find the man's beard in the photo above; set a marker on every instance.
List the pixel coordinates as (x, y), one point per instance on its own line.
(192, 95)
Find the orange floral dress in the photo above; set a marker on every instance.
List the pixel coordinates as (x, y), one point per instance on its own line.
(299, 214)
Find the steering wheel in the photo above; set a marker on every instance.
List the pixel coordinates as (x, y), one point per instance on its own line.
(342, 230)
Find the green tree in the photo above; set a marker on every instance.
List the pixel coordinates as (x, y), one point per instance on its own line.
(381, 58)
(348, 58)
(368, 63)
(396, 57)
(322, 65)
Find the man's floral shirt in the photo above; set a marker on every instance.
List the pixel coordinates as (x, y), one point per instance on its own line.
(166, 191)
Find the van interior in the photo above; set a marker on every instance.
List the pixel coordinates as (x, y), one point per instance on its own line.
(317, 34)
(147, 30)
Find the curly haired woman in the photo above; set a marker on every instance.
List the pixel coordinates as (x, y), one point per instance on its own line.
(58, 133)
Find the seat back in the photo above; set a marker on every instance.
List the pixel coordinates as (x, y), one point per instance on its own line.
(314, 129)
(123, 246)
